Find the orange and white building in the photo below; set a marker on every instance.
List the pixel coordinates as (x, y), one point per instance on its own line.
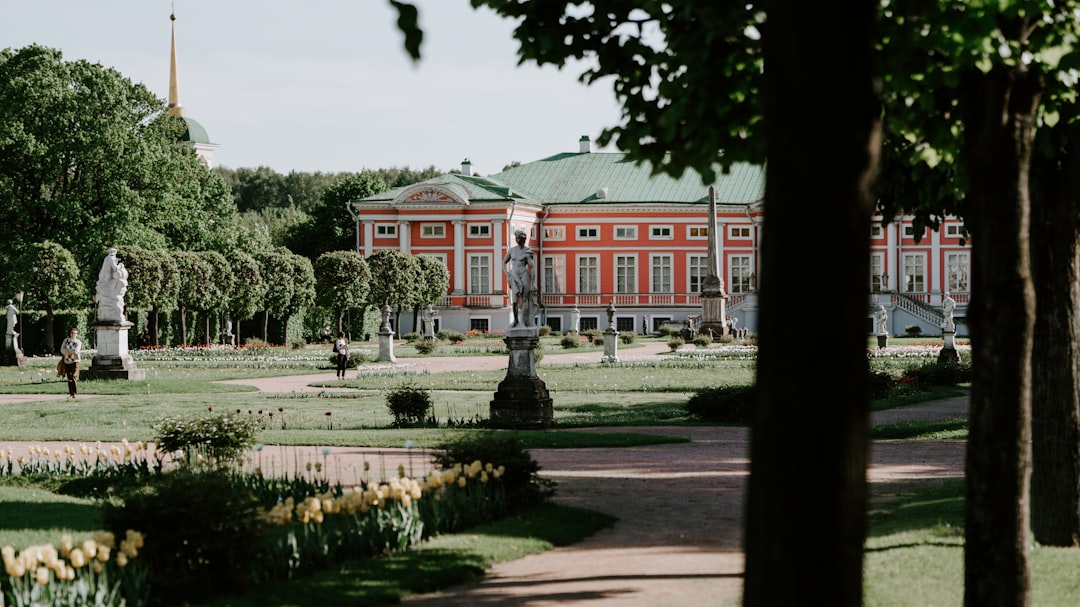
(606, 231)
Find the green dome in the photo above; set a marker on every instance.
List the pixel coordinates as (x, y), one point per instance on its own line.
(194, 133)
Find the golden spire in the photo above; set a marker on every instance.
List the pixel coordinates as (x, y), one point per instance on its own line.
(175, 109)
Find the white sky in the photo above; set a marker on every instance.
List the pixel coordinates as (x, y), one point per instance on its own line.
(325, 85)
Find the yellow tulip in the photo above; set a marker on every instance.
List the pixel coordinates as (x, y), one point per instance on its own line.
(77, 558)
(43, 575)
(121, 560)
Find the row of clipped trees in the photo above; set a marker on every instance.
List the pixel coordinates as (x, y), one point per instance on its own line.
(193, 289)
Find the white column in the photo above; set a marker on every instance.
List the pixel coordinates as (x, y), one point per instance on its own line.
(369, 237)
(497, 253)
(934, 266)
(404, 237)
(459, 256)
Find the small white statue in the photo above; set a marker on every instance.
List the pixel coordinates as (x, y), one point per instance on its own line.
(881, 318)
(948, 304)
(12, 318)
(111, 286)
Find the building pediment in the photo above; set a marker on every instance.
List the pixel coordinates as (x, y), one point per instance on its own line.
(427, 193)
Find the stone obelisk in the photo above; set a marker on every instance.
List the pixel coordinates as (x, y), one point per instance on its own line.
(713, 297)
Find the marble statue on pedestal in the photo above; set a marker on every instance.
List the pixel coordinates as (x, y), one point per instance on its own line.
(519, 266)
(111, 286)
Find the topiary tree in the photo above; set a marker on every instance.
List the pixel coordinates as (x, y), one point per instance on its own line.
(342, 280)
(52, 281)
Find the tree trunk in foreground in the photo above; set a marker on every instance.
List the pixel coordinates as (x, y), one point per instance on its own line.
(806, 516)
(998, 110)
(1055, 359)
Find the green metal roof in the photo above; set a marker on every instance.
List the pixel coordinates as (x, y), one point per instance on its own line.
(575, 178)
(195, 132)
(601, 178)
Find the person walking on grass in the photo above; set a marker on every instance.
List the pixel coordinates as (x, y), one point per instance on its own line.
(69, 350)
(341, 347)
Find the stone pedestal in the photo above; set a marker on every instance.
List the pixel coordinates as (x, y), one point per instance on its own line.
(12, 355)
(948, 353)
(713, 309)
(522, 400)
(883, 341)
(112, 360)
(386, 346)
(611, 346)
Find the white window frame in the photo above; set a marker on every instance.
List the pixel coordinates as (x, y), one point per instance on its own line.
(738, 232)
(555, 233)
(662, 232)
(876, 230)
(582, 233)
(386, 230)
(588, 276)
(740, 268)
(697, 270)
(697, 232)
(628, 232)
(554, 274)
(958, 271)
(661, 273)
(479, 230)
(914, 279)
(954, 230)
(626, 274)
(877, 268)
(433, 230)
(479, 274)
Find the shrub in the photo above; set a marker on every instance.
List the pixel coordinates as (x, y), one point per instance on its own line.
(591, 334)
(704, 341)
(598, 340)
(627, 337)
(913, 330)
(522, 481)
(667, 330)
(880, 384)
(355, 359)
(454, 337)
(545, 330)
(409, 406)
(298, 343)
(220, 439)
(427, 346)
(727, 404)
(675, 343)
(934, 373)
(570, 340)
(411, 337)
(204, 527)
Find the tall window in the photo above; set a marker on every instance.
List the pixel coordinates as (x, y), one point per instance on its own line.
(554, 274)
(915, 273)
(625, 274)
(661, 274)
(698, 271)
(877, 268)
(588, 274)
(479, 274)
(740, 274)
(958, 267)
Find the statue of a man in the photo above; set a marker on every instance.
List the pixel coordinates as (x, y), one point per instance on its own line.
(948, 304)
(12, 318)
(111, 286)
(520, 272)
(881, 318)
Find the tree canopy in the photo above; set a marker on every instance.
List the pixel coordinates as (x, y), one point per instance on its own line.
(89, 158)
